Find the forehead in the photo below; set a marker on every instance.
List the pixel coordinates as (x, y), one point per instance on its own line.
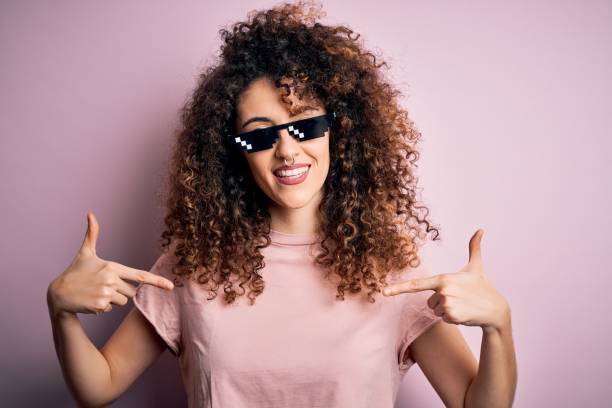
(262, 96)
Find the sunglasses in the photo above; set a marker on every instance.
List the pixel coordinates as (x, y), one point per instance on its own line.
(264, 138)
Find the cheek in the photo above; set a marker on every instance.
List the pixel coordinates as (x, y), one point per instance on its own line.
(323, 151)
(258, 165)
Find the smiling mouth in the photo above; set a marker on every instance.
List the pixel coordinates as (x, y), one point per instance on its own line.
(292, 174)
(291, 178)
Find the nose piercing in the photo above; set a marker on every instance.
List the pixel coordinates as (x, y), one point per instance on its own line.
(287, 164)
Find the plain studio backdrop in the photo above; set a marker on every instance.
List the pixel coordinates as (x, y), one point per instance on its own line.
(514, 103)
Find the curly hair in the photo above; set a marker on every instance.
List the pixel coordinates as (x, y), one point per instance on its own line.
(369, 219)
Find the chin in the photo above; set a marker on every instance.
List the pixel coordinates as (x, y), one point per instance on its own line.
(293, 200)
(296, 197)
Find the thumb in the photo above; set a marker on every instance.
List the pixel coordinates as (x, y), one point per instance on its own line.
(475, 255)
(91, 236)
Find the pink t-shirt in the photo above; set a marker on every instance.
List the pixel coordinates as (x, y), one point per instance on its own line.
(297, 346)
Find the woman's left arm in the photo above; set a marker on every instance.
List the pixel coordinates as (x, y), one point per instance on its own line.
(467, 298)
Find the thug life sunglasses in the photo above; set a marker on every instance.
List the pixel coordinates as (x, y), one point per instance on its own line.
(264, 138)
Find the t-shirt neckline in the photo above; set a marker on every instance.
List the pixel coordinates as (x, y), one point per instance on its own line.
(284, 238)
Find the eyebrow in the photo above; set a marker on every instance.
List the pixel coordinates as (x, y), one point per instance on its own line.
(266, 119)
(256, 119)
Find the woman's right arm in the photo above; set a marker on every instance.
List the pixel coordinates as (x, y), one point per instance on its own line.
(89, 285)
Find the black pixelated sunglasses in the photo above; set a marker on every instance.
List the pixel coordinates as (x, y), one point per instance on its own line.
(264, 138)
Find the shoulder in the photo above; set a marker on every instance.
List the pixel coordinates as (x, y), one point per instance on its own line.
(165, 261)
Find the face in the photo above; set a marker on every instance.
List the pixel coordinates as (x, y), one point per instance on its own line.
(261, 106)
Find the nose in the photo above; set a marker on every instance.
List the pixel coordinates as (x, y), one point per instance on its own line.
(286, 145)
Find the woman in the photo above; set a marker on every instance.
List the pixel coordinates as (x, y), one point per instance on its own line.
(292, 179)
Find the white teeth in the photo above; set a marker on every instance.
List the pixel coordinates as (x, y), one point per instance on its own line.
(294, 172)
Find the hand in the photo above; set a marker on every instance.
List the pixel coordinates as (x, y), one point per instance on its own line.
(91, 284)
(464, 297)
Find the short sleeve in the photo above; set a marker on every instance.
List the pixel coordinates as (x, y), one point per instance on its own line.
(416, 316)
(161, 306)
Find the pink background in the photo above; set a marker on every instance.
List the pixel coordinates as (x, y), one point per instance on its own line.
(513, 99)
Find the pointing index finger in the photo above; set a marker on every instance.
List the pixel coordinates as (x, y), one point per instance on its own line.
(413, 285)
(137, 275)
